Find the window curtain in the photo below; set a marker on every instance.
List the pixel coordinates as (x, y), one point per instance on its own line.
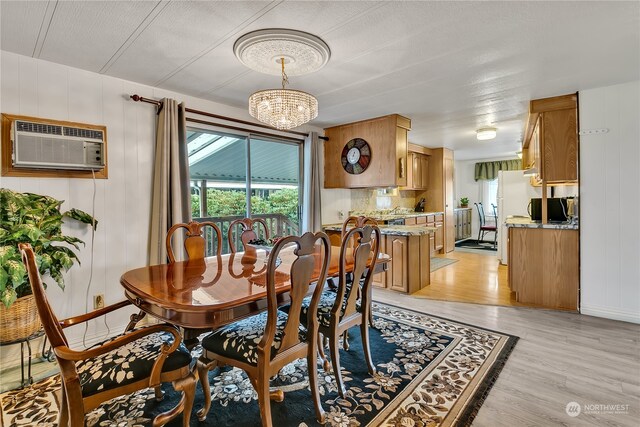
(489, 170)
(311, 220)
(170, 199)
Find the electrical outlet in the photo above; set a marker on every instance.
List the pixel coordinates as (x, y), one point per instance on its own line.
(98, 301)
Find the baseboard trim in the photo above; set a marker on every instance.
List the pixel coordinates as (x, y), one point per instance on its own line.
(625, 316)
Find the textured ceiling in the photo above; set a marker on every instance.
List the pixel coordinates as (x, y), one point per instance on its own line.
(451, 67)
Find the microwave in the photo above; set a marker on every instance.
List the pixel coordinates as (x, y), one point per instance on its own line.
(557, 209)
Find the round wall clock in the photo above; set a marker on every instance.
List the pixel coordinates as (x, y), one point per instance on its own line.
(356, 156)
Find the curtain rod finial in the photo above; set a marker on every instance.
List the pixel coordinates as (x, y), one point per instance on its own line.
(135, 97)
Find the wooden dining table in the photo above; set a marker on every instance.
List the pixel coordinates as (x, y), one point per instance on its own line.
(214, 291)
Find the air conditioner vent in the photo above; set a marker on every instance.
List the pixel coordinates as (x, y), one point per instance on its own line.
(41, 128)
(83, 133)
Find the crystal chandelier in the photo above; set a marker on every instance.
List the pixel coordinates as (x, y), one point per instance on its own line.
(283, 108)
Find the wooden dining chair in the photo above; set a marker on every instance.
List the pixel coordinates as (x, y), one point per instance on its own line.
(350, 305)
(132, 361)
(195, 243)
(263, 344)
(484, 227)
(248, 233)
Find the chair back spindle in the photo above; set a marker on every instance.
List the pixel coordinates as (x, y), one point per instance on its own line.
(194, 244)
(248, 233)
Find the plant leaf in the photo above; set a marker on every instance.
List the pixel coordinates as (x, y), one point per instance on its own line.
(82, 216)
(8, 296)
(4, 278)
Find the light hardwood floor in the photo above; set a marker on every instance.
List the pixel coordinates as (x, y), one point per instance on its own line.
(477, 278)
(561, 357)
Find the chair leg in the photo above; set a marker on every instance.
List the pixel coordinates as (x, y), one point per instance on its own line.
(335, 361)
(364, 331)
(264, 399)
(323, 357)
(479, 231)
(187, 386)
(159, 393)
(63, 416)
(204, 366)
(313, 383)
(345, 340)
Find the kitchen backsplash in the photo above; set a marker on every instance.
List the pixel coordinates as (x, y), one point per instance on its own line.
(369, 200)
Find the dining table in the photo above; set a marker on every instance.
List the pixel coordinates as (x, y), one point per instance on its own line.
(206, 293)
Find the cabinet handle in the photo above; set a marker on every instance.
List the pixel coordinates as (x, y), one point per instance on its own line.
(402, 167)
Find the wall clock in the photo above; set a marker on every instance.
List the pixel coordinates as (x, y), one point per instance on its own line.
(356, 156)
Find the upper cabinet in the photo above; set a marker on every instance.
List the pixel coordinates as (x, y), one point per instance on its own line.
(418, 172)
(550, 145)
(370, 153)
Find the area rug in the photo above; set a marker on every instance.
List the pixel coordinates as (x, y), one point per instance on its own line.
(437, 263)
(473, 244)
(431, 371)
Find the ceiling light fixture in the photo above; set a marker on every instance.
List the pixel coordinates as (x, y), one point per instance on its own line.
(486, 133)
(267, 51)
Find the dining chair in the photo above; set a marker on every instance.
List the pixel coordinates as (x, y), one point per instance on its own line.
(248, 233)
(263, 344)
(350, 305)
(357, 222)
(484, 228)
(195, 243)
(131, 361)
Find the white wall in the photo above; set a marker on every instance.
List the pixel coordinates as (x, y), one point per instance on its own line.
(43, 89)
(609, 202)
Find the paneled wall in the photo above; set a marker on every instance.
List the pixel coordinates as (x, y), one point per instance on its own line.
(610, 202)
(39, 88)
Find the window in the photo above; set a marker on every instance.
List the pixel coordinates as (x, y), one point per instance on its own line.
(237, 176)
(489, 196)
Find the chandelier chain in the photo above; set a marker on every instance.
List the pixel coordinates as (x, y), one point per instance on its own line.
(285, 78)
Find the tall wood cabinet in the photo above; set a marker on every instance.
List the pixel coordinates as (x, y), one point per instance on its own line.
(387, 138)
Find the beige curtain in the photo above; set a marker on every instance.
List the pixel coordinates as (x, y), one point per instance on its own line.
(170, 201)
(311, 220)
(489, 170)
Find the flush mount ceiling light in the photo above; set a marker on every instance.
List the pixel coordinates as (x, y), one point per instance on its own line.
(486, 133)
(268, 51)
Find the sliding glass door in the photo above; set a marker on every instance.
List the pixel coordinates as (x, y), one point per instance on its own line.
(237, 176)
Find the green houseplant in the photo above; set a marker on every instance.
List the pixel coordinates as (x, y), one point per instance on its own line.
(35, 219)
(464, 202)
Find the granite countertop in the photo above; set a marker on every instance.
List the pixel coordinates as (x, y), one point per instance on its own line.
(383, 215)
(526, 222)
(397, 230)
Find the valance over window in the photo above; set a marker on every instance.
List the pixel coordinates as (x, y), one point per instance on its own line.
(489, 170)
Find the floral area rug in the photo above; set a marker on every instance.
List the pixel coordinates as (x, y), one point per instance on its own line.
(430, 372)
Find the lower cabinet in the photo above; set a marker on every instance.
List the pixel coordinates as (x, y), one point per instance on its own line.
(544, 266)
(462, 223)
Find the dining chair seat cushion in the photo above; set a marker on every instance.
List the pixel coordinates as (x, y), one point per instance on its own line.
(327, 299)
(129, 363)
(239, 340)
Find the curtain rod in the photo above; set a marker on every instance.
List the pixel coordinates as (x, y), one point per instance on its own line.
(139, 98)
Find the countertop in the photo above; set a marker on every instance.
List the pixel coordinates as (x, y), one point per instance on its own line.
(396, 230)
(525, 222)
(384, 216)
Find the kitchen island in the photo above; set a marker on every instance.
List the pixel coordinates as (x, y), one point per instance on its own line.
(410, 251)
(544, 263)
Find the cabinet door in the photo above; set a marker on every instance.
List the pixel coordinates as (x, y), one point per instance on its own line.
(560, 145)
(380, 279)
(466, 233)
(416, 175)
(397, 247)
(424, 171)
(459, 225)
(410, 221)
(439, 236)
(421, 220)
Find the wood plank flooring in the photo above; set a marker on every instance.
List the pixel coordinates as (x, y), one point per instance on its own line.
(561, 357)
(476, 278)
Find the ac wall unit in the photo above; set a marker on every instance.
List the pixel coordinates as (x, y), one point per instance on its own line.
(50, 146)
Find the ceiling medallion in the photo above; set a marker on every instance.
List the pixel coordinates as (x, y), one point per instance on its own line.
(269, 51)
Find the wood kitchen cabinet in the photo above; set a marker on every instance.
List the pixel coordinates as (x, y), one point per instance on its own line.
(418, 177)
(544, 266)
(550, 144)
(387, 138)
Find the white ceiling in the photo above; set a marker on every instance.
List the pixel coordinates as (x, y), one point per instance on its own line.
(451, 67)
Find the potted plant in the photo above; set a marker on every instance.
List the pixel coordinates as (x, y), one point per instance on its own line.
(35, 219)
(464, 202)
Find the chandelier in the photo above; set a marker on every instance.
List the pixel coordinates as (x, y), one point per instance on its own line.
(283, 108)
(267, 51)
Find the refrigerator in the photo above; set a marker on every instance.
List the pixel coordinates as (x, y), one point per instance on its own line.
(514, 194)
